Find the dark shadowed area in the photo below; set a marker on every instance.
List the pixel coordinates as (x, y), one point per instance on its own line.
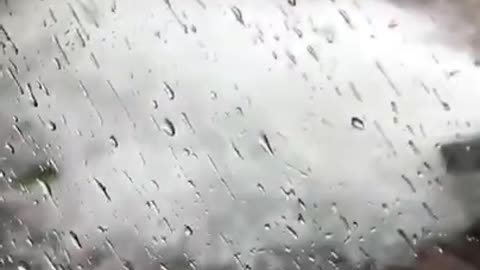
(457, 22)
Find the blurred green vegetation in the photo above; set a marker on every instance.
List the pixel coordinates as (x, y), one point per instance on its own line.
(45, 173)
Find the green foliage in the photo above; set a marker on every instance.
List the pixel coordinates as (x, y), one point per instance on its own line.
(44, 173)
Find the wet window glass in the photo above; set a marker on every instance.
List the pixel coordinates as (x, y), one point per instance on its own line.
(239, 134)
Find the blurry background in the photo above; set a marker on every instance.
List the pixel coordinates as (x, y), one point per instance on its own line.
(213, 134)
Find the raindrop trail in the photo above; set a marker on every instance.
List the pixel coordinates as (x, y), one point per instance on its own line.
(49, 260)
(103, 188)
(153, 205)
(169, 226)
(387, 77)
(414, 147)
(94, 60)
(202, 4)
(155, 123)
(62, 51)
(214, 166)
(346, 18)
(87, 96)
(291, 57)
(9, 39)
(409, 183)
(238, 15)
(122, 104)
(444, 104)
(313, 53)
(292, 232)
(187, 122)
(299, 171)
(168, 127)
(429, 211)
(15, 67)
(33, 99)
(265, 143)
(175, 15)
(168, 89)
(43, 87)
(15, 79)
(227, 187)
(388, 142)
(52, 15)
(80, 37)
(236, 150)
(404, 236)
(75, 239)
(77, 19)
(355, 92)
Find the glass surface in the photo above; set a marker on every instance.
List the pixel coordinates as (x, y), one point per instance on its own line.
(237, 134)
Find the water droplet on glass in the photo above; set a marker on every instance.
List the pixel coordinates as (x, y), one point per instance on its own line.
(113, 141)
(75, 239)
(302, 205)
(330, 37)
(292, 232)
(10, 148)
(188, 230)
(265, 143)
(404, 236)
(414, 147)
(239, 111)
(357, 123)
(127, 265)
(385, 208)
(52, 126)
(29, 242)
(103, 188)
(213, 95)
(238, 14)
(334, 208)
(445, 106)
(23, 265)
(261, 188)
(267, 226)
(313, 53)
(155, 104)
(429, 211)
(355, 224)
(102, 229)
(153, 205)
(301, 219)
(168, 89)
(168, 127)
(292, 2)
(191, 183)
(346, 18)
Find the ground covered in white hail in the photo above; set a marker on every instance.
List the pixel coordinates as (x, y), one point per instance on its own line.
(232, 130)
